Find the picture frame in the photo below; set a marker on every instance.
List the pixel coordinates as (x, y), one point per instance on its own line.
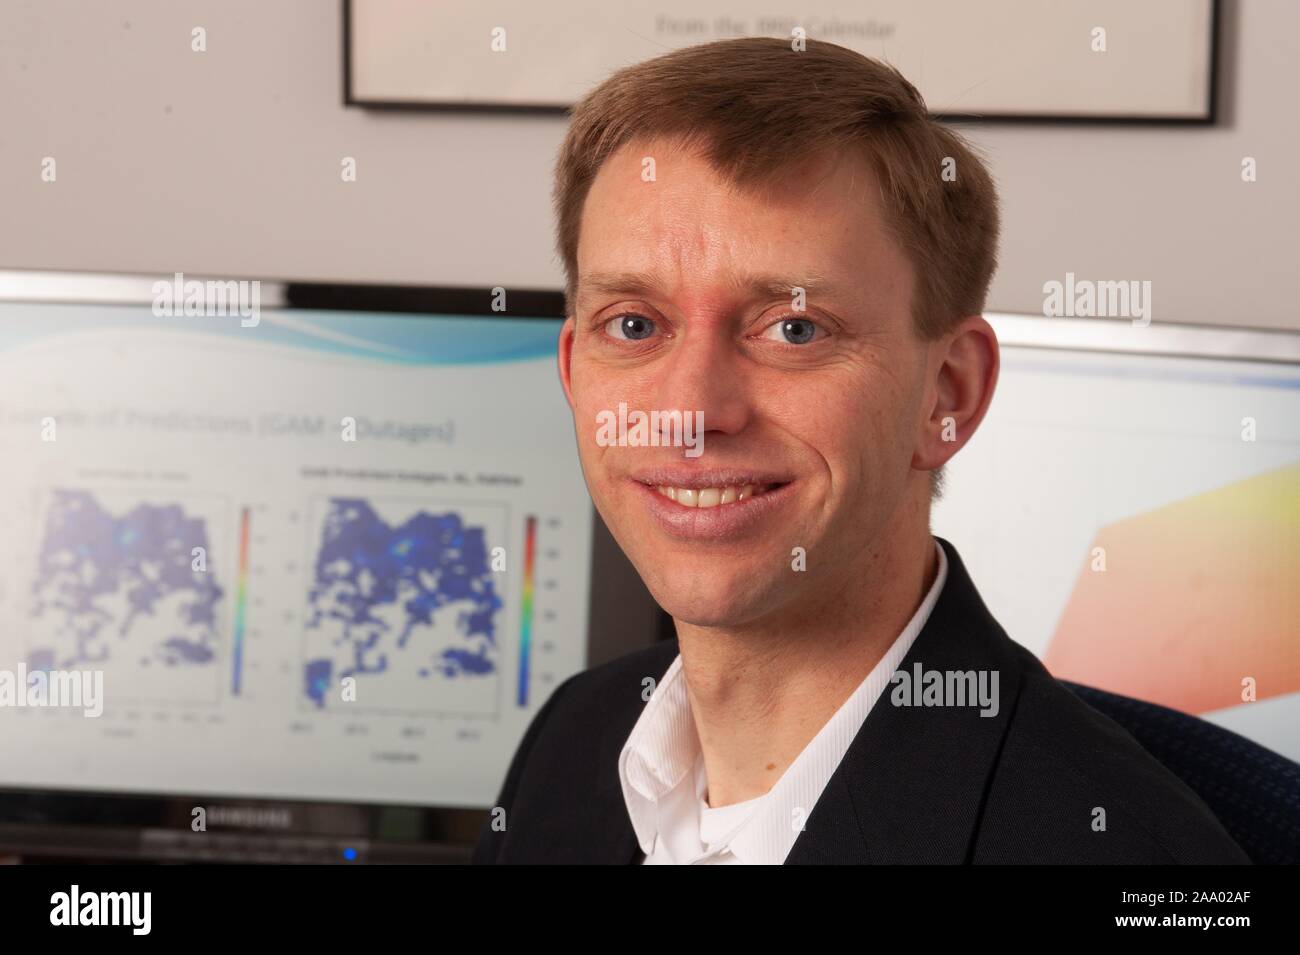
(1104, 61)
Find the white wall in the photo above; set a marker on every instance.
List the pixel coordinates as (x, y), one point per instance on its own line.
(227, 162)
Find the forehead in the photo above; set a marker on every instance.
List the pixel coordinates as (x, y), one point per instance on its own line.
(659, 207)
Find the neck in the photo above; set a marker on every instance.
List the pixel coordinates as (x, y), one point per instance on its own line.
(760, 692)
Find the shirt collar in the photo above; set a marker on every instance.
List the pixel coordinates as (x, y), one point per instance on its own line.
(662, 749)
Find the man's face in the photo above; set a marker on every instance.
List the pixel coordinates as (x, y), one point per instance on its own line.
(686, 301)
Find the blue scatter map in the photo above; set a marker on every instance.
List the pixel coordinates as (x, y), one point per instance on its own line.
(377, 589)
(108, 585)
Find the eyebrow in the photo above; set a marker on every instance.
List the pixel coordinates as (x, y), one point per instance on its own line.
(758, 286)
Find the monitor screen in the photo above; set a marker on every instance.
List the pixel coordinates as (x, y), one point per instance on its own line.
(327, 555)
(1132, 516)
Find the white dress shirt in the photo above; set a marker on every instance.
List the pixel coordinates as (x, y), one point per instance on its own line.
(664, 782)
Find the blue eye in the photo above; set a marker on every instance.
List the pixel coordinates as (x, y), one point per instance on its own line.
(794, 331)
(631, 327)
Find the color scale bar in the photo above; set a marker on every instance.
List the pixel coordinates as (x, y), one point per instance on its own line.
(241, 602)
(526, 613)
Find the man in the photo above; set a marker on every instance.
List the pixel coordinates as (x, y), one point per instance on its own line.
(782, 243)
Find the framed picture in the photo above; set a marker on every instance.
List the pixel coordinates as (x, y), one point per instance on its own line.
(1084, 60)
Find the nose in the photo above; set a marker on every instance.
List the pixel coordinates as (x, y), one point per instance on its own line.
(704, 372)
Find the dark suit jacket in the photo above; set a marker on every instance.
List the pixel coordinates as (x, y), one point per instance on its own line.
(917, 785)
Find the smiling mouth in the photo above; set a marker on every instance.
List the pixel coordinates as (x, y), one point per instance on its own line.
(706, 497)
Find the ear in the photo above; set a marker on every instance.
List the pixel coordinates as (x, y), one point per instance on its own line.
(565, 357)
(964, 365)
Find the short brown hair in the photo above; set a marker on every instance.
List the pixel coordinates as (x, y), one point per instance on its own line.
(755, 107)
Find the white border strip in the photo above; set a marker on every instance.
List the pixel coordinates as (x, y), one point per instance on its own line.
(107, 288)
(1104, 334)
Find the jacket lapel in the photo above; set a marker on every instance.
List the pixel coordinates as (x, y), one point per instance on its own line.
(911, 785)
(612, 839)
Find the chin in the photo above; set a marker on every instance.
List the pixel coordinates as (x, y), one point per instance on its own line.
(695, 593)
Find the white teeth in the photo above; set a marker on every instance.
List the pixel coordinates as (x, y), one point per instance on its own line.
(709, 496)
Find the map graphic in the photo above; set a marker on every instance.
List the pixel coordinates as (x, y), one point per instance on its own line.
(116, 589)
(405, 602)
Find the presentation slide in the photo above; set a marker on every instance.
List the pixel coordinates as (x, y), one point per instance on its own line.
(1135, 521)
(332, 555)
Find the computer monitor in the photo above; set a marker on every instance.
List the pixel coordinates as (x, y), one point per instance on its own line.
(1130, 510)
(328, 549)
